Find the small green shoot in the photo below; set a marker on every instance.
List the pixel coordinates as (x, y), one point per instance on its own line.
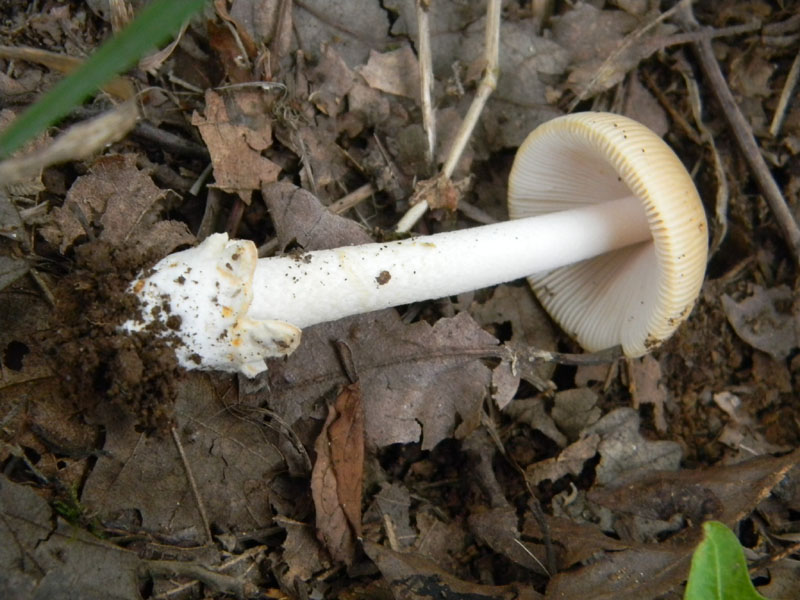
(155, 23)
(719, 570)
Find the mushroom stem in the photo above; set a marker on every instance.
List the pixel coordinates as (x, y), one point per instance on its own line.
(327, 285)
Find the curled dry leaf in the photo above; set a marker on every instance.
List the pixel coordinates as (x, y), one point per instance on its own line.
(337, 475)
(237, 130)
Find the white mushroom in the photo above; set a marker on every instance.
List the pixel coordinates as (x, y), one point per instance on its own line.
(606, 222)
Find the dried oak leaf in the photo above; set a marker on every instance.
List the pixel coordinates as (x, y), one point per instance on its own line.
(729, 491)
(574, 410)
(237, 129)
(418, 381)
(115, 196)
(337, 475)
(228, 458)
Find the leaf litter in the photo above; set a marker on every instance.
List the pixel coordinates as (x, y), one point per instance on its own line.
(450, 469)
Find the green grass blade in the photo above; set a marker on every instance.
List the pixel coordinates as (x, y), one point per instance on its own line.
(153, 25)
(719, 570)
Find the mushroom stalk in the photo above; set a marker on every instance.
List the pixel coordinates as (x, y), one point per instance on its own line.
(326, 285)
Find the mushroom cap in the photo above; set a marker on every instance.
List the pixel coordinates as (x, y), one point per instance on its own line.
(634, 297)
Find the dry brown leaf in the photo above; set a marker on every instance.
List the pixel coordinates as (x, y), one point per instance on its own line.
(46, 557)
(623, 448)
(767, 320)
(236, 128)
(644, 572)
(413, 577)
(727, 492)
(646, 388)
(392, 504)
(352, 28)
(570, 460)
(530, 325)
(227, 48)
(534, 413)
(303, 554)
(499, 529)
(649, 570)
(228, 456)
(642, 106)
(395, 72)
(120, 87)
(742, 431)
(592, 36)
(575, 542)
(574, 410)
(259, 19)
(163, 237)
(331, 80)
(115, 195)
(336, 479)
(422, 382)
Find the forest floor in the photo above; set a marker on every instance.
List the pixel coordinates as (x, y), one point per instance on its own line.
(411, 453)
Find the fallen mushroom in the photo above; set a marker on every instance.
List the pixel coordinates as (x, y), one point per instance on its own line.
(606, 224)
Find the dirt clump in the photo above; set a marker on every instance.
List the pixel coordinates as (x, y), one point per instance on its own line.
(96, 362)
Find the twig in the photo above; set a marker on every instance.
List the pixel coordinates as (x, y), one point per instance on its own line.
(747, 142)
(352, 199)
(169, 141)
(786, 94)
(201, 508)
(485, 89)
(218, 581)
(426, 77)
(723, 192)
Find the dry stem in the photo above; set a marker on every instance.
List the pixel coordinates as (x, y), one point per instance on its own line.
(485, 89)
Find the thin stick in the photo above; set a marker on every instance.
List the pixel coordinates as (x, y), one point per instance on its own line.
(352, 199)
(749, 147)
(786, 94)
(426, 77)
(201, 508)
(485, 89)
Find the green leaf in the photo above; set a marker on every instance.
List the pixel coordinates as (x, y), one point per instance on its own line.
(155, 23)
(719, 570)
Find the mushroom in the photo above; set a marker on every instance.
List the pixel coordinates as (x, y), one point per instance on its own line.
(605, 222)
